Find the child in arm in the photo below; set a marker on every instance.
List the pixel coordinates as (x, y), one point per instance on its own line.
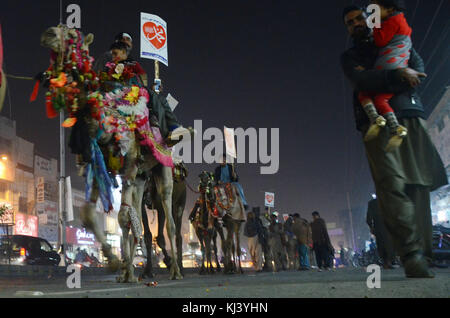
(394, 42)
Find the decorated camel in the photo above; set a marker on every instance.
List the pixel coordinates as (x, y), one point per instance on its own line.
(205, 220)
(111, 135)
(229, 205)
(153, 201)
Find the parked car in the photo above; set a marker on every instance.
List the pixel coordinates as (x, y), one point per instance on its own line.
(27, 250)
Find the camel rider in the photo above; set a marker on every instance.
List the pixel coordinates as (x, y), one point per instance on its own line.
(161, 114)
(100, 63)
(226, 173)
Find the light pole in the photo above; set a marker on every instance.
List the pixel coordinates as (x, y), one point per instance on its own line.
(351, 221)
(62, 188)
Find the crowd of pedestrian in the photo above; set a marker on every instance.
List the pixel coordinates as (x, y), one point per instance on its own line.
(291, 244)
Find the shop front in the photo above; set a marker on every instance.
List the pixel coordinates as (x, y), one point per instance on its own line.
(79, 240)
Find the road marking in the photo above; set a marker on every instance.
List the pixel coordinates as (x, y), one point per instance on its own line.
(28, 293)
(94, 290)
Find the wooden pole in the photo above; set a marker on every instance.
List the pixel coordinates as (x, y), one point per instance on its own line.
(156, 69)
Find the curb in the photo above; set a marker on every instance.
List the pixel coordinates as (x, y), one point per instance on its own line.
(46, 271)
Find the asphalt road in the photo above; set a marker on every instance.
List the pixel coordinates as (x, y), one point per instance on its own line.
(341, 283)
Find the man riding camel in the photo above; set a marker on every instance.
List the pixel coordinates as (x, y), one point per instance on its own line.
(161, 115)
(226, 173)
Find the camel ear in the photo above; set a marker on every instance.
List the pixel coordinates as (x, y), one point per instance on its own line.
(88, 41)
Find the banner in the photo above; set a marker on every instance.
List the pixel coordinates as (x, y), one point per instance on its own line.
(269, 199)
(172, 102)
(154, 38)
(50, 210)
(229, 142)
(68, 200)
(8, 214)
(49, 232)
(26, 225)
(40, 194)
(76, 236)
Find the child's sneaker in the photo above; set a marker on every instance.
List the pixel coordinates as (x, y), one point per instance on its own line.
(375, 128)
(396, 140)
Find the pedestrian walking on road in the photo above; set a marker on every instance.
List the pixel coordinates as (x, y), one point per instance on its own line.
(303, 235)
(252, 230)
(321, 242)
(275, 242)
(291, 243)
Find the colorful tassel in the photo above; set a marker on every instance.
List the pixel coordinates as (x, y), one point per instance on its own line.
(51, 113)
(35, 91)
(69, 122)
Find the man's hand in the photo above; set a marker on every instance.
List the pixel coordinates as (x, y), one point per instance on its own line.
(411, 76)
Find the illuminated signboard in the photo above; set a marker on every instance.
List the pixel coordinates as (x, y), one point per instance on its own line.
(26, 225)
(78, 236)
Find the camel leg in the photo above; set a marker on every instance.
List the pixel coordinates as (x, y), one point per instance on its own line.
(230, 248)
(89, 219)
(164, 184)
(209, 252)
(148, 238)
(160, 239)
(215, 250)
(202, 247)
(128, 241)
(219, 230)
(238, 247)
(137, 192)
(178, 217)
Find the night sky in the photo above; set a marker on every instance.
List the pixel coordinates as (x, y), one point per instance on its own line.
(262, 64)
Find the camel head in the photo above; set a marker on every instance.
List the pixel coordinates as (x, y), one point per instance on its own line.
(206, 182)
(60, 39)
(73, 84)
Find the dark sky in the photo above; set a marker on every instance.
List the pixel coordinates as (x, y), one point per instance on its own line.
(262, 64)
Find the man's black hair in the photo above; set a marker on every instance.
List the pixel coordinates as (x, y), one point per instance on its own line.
(119, 46)
(296, 215)
(316, 213)
(397, 5)
(351, 8)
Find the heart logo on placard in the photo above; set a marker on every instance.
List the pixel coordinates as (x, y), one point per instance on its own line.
(269, 198)
(155, 34)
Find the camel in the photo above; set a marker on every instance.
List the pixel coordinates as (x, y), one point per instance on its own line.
(152, 201)
(229, 204)
(75, 88)
(207, 225)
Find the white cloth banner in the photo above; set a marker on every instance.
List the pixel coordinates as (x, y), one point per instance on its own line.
(69, 202)
(154, 38)
(229, 142)
(269, 199)
(172, 102)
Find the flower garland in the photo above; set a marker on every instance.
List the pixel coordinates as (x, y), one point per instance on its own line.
(228, 193)
(69, 80)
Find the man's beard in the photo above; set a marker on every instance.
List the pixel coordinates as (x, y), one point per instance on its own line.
(361, 33)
